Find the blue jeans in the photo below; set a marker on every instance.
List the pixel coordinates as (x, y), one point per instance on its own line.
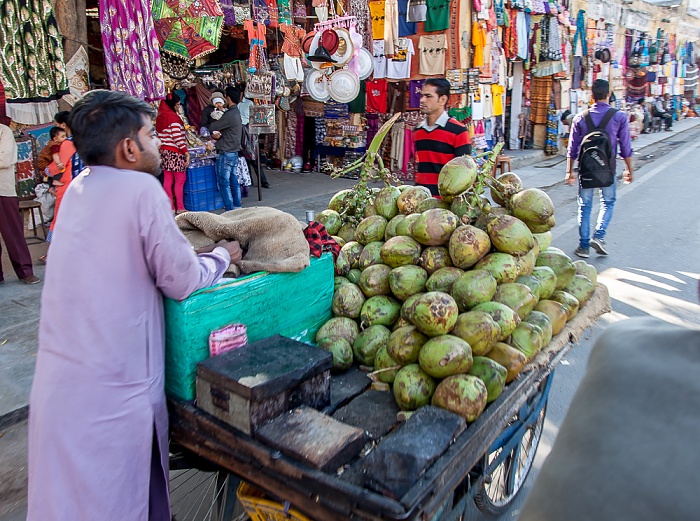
(585, 205)
(227, 180)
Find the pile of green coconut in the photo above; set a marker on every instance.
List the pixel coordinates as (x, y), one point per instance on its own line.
(447, 300)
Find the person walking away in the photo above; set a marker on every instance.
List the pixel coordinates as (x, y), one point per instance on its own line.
(174, 156)
(11, 226)
(98, 423)
(595, 136)
(228, 131)
(660, 111)
(439, 137)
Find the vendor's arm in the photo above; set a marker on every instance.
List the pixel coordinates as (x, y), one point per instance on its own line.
(65, 155)
(8, 147)
(575, 138)
(177, 270)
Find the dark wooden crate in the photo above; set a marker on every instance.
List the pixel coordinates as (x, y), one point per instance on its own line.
(255, 383)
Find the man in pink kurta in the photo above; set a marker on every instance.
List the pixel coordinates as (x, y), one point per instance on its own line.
(98, 425)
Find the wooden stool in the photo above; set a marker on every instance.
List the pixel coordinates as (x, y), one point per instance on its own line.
(30, 205)
(500, 163)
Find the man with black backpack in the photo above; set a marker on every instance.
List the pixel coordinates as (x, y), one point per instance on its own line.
(595, 134)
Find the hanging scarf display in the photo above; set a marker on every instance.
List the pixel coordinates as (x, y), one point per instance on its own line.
(554, 40)
(551, 136)
(510, 37)
(581, 33)
(32, 64)
(132, 51)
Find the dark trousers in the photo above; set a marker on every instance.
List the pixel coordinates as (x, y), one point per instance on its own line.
(12, 232)
(668, 119)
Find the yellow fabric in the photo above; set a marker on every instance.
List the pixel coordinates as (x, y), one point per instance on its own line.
(497, 92)
(479, 42)
(377, 10)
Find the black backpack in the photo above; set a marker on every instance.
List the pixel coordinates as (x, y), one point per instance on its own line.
(596, 160)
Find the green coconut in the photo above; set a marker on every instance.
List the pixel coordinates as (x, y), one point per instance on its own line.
(348, 258)
(431, 204)
(434, 258)
(528, 339)
(404, 227)
(370, 229)
(385, 202)
(509, 234)
(354, 276)
(510, 358)
(541, 228)
(380, 310)
(444, 356)
(347, 232)
(405, 343)
(340, 200)
(473, 288)
(457, 176)
(517, 297)
(581, 288)
(443, 279)
(587, 270)
(492, 374)
(331, 220)
(506, 318)
(548, 280)
(544, 240)
(408, 280)
(400, 251)
(413, 387)
(502, 266)
(386, 367)
(369, 211)
(371, 254)
(368, 343)
(434, 227)
(374, 280)
(531, 282)
(514, 183)
(560, 263)
(460, 206)
(341, 350)
(478, 329)
(390, 230)
(339, 281)
(465, 395)
(556, 312)
(541, 320)
(433, 313)
(407, 304)
(468, 244)
(342, 327)
(410, 198)
(526, 263)
(348, 300)
(341, 242)
(531, 205)
(570, 302)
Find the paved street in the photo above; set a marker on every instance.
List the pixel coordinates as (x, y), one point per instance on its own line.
(653, 269)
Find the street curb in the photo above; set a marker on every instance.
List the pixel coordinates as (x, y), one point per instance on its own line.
(14, 417)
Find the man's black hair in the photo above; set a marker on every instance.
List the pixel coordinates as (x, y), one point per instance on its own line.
(601, 90)
(234, 94)
(101, 119)
(62, 117)
(55, 131)
(442, 86)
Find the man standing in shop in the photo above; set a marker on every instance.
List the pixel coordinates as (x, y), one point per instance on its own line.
(616, 126)
(11, 228)
(228, 131)
(440, 137)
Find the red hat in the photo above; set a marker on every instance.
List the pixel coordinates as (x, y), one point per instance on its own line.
(330, 40)
(306, 42)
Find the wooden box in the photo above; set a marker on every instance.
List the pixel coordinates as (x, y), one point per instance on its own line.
(255, 383)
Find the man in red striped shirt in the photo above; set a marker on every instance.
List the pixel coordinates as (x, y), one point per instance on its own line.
(439, 138)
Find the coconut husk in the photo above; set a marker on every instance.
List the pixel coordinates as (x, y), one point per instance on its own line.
(271, 240)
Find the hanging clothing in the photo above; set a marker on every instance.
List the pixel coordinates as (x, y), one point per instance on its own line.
(540, 98)
(377, 11)
(479, 42)
(377, 96)
(396, 97)
(391, 27)
(510, 36)
(399, 67)
(406, 28)
(359, 104)
(32, 65)
(497, 94)
(414, 93)
(363, 25)
(380, 61)
(523, 28)
(256, 38)
(417, 11)
(432, 52)
(438, 16)
(132, 55)
(552, 135)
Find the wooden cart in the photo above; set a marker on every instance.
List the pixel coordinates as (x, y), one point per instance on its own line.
(487, 463)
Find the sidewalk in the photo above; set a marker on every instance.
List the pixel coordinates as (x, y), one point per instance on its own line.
(290, 192)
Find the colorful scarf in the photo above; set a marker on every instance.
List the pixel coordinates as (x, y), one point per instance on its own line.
(132, 51)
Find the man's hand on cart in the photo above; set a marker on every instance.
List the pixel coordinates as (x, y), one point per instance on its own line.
(233, 248)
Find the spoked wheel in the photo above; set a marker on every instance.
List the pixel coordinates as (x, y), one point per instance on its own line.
(199, 491)
(504, 482)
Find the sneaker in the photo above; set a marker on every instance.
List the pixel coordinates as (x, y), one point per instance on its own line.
(599, 246)
(582, 252)
(31, 280)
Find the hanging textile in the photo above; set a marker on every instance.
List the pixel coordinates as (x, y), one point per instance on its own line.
(581, 33)
(510, 36)
(550, 144)
(32, 64)
(360, 10)
(132, 55)
(540, 97)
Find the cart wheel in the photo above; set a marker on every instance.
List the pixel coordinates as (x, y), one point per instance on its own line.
(200, 491)
(506, 480)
